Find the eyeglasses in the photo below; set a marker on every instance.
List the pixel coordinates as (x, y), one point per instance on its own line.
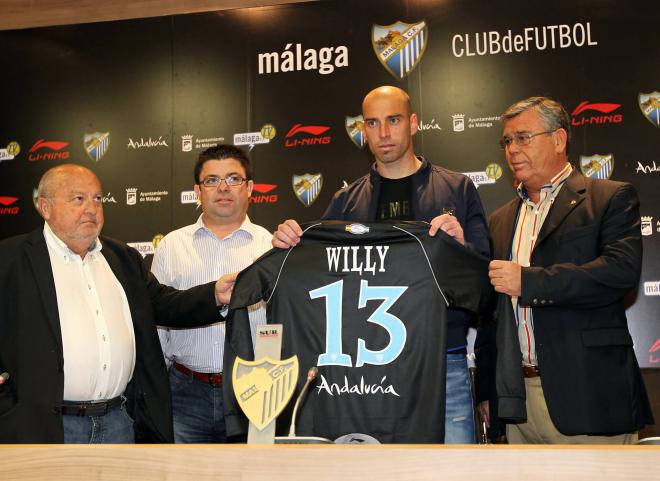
(521, 139)
(213, 181)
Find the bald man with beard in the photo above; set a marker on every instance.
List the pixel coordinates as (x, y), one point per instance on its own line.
(404, 186)
(79, 353)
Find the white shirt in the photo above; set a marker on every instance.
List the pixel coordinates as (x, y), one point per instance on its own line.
(97, 330)
(194, 255)
(531, 217)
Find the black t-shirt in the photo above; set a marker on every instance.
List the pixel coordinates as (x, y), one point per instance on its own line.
(367, 304)
(395, 199)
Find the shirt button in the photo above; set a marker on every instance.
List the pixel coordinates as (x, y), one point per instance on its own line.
(103, 336)
(97, 312)
(105, 366)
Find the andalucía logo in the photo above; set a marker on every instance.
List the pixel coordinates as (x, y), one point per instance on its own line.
(400, 46)
(6, 207)
(96, 144)
(583, 114)
(597, 166)
(261, 194)
(355, 130)
(314, 135)
(307, 187)
(48, 150)
(650, 105)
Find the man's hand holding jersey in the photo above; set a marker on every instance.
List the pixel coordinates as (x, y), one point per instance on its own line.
(223, 288)
(289, 232)
(449, 225)
(287, 235)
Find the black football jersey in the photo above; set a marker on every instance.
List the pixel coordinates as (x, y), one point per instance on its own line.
(366, 304)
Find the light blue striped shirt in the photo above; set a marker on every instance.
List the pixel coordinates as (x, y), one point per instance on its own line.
(194, 255)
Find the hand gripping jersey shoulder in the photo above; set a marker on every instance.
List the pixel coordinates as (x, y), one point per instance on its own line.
(367, 304)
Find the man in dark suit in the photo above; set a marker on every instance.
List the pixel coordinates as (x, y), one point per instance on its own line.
(568, 249)
(80, 359)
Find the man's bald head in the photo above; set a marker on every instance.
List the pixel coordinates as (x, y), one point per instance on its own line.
(57, 177)
(388, 92)
(71, 202)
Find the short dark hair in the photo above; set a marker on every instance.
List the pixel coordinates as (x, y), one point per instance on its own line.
(221, 152)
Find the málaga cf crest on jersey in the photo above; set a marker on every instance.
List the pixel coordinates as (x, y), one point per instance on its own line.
(400, 46)
(263, 387)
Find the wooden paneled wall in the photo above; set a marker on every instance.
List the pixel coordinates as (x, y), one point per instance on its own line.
(18, 14)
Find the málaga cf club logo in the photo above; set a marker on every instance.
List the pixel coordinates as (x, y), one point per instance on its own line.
(400, 46)
(263, 387)
(96, 144)
(650, 106)
(355, 130)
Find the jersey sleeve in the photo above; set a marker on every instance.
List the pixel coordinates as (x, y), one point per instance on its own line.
(253, 284)
(462, 275)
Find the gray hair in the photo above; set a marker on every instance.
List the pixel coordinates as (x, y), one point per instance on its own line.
(553, 114)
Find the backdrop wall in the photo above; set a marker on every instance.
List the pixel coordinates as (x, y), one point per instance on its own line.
(137, 101)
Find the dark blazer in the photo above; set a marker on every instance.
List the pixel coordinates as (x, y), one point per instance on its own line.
(587, 258)
(31, 340)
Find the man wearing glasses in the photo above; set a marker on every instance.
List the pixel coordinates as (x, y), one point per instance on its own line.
(568, 249)
(223, 240)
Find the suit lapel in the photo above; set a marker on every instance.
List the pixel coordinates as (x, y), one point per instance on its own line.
(37, 254)
(503, 232)
(570, 196)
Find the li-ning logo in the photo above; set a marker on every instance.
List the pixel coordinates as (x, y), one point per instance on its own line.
(262, 195)
(6, 207)
(325, 60)
(654, 349)
(53, 150)
(314, 137)
(595, 119)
